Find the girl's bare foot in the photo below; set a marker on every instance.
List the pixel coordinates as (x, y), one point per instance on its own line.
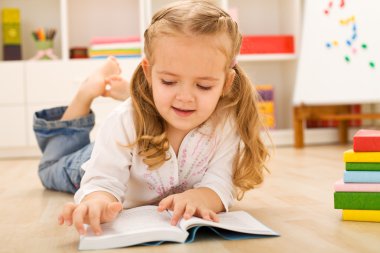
(117, 88)
(95, 85)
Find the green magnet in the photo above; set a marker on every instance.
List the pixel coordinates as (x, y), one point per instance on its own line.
(372, 64)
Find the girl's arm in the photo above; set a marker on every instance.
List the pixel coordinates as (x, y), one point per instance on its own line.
(100, 196)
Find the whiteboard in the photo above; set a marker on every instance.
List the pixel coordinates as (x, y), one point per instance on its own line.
(339, 60)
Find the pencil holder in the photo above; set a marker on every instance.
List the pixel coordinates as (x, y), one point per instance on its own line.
(44, 50)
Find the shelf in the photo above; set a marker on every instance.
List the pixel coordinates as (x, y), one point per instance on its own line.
(266, 57)
(97, 18)
(35, 14)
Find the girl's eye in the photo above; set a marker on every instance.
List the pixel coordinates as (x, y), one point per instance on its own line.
(167, 82)
(204, 87)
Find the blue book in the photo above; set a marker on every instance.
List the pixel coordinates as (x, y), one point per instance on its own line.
(361, 177)
(146, 226)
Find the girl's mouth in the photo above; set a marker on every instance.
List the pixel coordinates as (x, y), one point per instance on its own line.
(183, 112)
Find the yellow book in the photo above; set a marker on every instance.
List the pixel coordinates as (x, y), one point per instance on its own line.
(268, 120)
(266, 107)
(355, 157)
(361, 215)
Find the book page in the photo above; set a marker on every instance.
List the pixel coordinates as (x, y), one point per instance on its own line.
(134, 226)
(137, 219)
(238, 221)
(146, 225)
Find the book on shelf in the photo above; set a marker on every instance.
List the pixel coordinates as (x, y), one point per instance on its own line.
(341, 186)
(131, 228)
(267, 44)
(266, 105)
(361, 177)
(351, 156)
(366, 140)
(363, 166)
(357, 200)
(119, 47)
(361, 215)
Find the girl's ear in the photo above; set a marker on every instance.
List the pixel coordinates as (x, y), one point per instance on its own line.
(147, 70)
(229, 80)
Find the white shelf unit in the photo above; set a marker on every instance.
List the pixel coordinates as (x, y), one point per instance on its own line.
(35, 85)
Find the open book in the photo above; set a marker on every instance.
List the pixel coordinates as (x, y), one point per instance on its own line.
(145, 225)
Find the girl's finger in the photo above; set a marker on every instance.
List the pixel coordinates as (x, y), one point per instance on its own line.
(214, 217)
(94, 220)
(166, 203)
(208, 215)
(67, 214)
(178, 211)
(79, 215)
(189, 212)
(112, 210)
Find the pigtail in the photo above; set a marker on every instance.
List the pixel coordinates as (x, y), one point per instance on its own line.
(252, 154)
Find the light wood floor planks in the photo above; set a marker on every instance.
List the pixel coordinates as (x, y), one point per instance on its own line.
(296, 200)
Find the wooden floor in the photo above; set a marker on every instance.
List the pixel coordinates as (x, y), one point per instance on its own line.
(296, 200)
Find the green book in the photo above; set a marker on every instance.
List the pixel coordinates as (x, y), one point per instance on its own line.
(357, 200)
(363, 166)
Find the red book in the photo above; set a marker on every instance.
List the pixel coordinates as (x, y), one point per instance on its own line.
(267, 44)
(367, 141)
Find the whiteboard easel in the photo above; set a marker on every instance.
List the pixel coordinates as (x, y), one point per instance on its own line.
(340, 59)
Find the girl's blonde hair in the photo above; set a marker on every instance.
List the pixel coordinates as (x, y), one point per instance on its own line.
(201, 18)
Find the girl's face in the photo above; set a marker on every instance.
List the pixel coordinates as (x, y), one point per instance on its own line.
(187, 78)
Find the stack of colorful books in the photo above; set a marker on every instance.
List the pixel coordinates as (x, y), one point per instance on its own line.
(119, 47)
(358, 194)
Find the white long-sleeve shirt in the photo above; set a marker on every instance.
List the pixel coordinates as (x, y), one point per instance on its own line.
(204, 159)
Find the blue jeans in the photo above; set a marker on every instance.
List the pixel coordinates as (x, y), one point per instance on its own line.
(65, 146)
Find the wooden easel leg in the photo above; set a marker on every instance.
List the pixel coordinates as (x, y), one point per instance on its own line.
(298, 127)
(343, 132)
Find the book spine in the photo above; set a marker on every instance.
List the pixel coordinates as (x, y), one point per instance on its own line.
(340, 186)
(357, 200)
(351, 156)
(363, 166)
(109, 46)
(106, 40)
(366, 144)
(362, 177)
(361, 215)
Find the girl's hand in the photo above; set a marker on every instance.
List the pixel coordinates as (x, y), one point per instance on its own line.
(91, 211)
(202, 202)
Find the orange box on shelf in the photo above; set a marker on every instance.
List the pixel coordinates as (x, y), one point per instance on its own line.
(267, 44)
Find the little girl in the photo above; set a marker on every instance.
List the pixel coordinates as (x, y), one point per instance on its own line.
(188, 139)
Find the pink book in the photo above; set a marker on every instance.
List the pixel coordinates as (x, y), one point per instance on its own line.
(340, 186)
(105, 40)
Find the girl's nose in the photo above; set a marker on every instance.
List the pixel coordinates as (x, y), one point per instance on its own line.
(184, 94)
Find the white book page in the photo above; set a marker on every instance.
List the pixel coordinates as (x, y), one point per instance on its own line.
(135, 220)
(134, 226)
(238, 221)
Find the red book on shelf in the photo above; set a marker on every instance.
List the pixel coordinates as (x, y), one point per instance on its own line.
(367, 141)
(267, 44)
